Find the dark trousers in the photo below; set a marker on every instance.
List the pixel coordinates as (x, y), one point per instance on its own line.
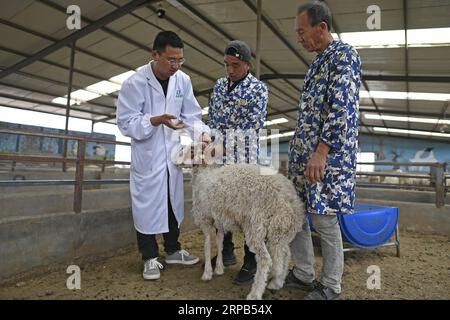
(147, 244)
(228, 248)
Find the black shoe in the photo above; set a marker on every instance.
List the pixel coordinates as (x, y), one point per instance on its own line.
(245, 275)
(293, 282)
(228, 260)
(321, 292)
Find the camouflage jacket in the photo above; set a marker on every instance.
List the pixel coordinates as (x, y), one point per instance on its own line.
(328, 112)
(244, 108)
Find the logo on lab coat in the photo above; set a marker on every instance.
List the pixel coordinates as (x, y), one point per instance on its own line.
(178, 94)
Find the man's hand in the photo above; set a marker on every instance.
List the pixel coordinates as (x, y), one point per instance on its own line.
(213, 152)
(206, 140)
(315, 168)
(166, 119)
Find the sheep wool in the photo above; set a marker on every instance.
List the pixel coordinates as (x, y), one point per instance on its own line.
(265, 207)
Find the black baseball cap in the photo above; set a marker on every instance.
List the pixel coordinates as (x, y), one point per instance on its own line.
(239, 49)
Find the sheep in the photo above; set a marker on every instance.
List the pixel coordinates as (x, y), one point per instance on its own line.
(265, 207)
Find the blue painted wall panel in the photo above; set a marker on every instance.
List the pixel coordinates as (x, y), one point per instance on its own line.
(27, 145)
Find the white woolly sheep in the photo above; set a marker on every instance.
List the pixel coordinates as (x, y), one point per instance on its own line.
(266, 208)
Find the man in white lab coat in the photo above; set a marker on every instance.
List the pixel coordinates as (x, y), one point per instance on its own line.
(152, 105)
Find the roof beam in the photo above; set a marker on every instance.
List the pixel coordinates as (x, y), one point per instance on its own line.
(277, 33)
(47, 103)
(392, 135)
(44, 36)
(282, 38)
(15, 86)
(402, 136)
(178, 25)
(48, 112)
(230, 37)
(396, 78)
(336, 28)
(419, 130)
(445, 107)
(58, 65)
(210, 90)
(74, 36)
(125, 38)
(205, 19)
(367, 109)
(383, 133)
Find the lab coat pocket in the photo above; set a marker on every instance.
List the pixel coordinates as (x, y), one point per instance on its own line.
(141, 160)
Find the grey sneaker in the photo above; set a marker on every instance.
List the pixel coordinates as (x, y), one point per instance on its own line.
(151, 269)
(181, 257)
(321, 292)
(292, 281)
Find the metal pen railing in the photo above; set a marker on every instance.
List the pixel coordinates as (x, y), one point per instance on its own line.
(437, 175)
(79, 162)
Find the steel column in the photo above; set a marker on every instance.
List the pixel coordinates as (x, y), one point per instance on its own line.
(405, 26)
(258, 38)
(69, 91)
(79, 175)
(440, 184)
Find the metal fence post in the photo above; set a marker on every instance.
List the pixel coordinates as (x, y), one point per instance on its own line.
(69, 91)
(79, 176)
(440, 184)
(104, 164)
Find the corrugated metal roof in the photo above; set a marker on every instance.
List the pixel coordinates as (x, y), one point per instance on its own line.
(26, 27)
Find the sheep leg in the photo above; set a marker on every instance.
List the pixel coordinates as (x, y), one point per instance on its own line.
(272, 248)
(208, 271)
(280, 256)
(219, 261)
(264, 263)
(285, 266)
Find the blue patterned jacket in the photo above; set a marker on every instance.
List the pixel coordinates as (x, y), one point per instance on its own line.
(328, 112)
(244, 108)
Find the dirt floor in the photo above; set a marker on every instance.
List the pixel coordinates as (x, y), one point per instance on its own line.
(422, 272)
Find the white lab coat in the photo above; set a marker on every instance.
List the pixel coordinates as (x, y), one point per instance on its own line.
(141, 98)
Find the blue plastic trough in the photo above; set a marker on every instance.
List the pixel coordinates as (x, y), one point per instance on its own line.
(369, 227)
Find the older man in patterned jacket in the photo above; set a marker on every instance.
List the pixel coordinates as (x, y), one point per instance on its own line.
(237, 109)
(322, 153)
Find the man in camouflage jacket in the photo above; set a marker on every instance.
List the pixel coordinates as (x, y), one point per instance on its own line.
(238, 105)
(322, 153)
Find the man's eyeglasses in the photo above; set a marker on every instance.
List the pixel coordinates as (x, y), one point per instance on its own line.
(174, 62)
